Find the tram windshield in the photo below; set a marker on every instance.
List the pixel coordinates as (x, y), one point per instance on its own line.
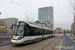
(19, 30)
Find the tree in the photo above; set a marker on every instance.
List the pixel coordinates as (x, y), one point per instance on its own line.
(27, 17)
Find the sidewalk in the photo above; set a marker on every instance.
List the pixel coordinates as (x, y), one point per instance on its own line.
(72, 36)
(5, 41)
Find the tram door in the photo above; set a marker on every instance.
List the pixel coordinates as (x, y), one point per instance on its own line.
(27, 30)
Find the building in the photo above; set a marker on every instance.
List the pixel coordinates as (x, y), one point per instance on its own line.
(58, 30)
(73, 24)
(73, 28)
(7, 23)
(37, 22)
(45, 24)
(45, 14)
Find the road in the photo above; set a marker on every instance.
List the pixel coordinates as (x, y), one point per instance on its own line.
(5, 39)
(47, 44)
(67, 43)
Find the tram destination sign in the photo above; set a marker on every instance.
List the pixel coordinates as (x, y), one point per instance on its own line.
(21, 23)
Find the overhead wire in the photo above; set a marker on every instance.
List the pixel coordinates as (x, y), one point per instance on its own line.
(53, 6)
(32, 12)
(51, 2)
(19, 4)
(27, 6)
(71, 3)
(59, 13)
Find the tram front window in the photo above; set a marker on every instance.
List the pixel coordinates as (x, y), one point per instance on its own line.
(19, 30)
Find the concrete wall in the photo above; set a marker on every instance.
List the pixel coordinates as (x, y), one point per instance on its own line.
(9, 22)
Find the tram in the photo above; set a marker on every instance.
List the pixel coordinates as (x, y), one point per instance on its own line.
(27, 32)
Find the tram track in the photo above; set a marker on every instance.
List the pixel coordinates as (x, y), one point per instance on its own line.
(52, 42)
(42, 45)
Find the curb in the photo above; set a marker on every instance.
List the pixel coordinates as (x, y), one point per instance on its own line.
(61, 43)
(70, 38)
(5, 43)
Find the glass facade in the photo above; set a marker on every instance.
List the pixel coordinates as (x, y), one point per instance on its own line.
(45, 14)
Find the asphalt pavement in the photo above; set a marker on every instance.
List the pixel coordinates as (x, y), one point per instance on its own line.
(46, 44)
(67, 43)
(5, 39)
(5, 43)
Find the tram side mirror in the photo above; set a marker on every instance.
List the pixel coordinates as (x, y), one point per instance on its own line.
(18, 26)
(12, 27)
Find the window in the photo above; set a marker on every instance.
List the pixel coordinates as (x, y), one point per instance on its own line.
(27, 31)
(19, 30)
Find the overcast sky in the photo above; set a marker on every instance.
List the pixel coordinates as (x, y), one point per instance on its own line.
(63, 15)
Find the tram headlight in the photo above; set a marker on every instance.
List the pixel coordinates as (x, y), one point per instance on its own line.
(20, 38)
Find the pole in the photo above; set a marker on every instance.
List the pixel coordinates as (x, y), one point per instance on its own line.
(42, 32)
(42, 26)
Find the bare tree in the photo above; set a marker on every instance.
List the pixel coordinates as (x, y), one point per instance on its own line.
(31, 20)
(27, 17)
(71, 2)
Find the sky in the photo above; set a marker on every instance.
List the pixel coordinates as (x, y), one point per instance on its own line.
(21, 9)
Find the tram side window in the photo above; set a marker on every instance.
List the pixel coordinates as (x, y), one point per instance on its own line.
(27, 31)
(38, 31)
(48, 31)
(45, 31)
(51, 32)
(32, 31)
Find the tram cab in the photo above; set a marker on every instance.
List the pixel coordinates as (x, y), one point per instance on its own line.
(20, 32)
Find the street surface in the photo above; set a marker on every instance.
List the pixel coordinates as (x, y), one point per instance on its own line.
(72, 36)
(67, 43)
(5, 39)
(47, 44)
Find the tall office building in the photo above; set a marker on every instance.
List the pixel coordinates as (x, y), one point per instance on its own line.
(45, 14)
